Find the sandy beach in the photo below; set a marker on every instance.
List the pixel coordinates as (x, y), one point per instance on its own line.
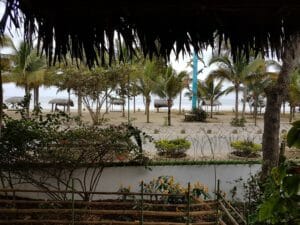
(210, 140)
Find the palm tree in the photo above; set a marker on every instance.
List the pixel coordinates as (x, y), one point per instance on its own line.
(211, 92)
(169, 86)
(5, 63)
(257, 80)
(28, 71)
(230, 71)
(146, 82)
(294, 92)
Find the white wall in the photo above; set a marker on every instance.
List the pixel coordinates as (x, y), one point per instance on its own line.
(113, 177)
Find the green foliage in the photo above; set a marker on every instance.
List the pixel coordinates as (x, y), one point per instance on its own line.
(172, 148)
(238, 122)
(281, 198)
(198, 115)
(168, 185)
(245, 148)
(293, 136)
(48, 140)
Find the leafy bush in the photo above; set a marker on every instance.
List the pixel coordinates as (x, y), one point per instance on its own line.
(280, 200)
(172, 148)
(246, 148)
(293, 135)
(197, 115)
(167, 185)
(238, 122)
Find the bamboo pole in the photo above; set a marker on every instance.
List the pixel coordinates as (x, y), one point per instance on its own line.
(73, 204)
(228, 214)
(104, 203)
(142, 203)
(188, 203)
(112, 222)
(108, 212)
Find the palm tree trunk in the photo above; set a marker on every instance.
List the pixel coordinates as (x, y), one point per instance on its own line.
(169, 111)
(69, 100)
(180, 99)
(134, 103)
(79, 102)
(270, 144)
(236, 87)
(1, 100)
(291, 114)
(27, 100)
(106, 100)
(36, 97)
(148, 99)
(255, 110)
(211, 108)
(244, 102)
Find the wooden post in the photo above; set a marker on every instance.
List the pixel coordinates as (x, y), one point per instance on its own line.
(188, 203)
(142, 203)
(218, 197)
(73, 203)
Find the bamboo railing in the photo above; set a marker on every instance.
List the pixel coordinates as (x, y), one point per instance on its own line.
(138, 208)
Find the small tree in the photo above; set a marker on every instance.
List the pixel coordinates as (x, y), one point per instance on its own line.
(169, 86)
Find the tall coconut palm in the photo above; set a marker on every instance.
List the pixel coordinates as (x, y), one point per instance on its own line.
(28, 63)
(211, 92)
(233, 72)
(146, 82)
(294, 92)
(5, 63)
(169, 86)
(257, 79)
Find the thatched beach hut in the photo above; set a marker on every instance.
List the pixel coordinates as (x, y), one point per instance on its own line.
(14, 101)
(60, 102)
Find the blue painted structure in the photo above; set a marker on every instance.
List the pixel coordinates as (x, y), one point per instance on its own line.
(195, 81)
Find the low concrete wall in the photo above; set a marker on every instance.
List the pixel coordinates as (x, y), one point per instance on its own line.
(113, 177)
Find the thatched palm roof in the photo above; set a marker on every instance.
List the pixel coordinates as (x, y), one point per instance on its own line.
(88, 27)
(61, 101)
(14, 100)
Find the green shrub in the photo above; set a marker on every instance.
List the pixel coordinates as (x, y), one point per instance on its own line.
(168, 185)
(198, 115)
(172, 148)
(238, 122)
(246, 148)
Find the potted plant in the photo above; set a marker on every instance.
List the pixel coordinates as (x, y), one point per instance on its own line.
(172, 148)
(245, 149)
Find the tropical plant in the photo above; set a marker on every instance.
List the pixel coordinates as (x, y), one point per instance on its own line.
(172, 148)
(246, 148)
(280, 200)
(211, 92)
(168, 185)
(293, 136)
(5, 65)
(146, 82)
(294, 92)
(169, 86)
(198, 115)
(28, 70)
(235, 72)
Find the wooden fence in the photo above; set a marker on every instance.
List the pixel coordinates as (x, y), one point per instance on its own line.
(128, 209)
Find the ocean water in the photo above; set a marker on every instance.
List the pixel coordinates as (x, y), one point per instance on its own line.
(46, 94)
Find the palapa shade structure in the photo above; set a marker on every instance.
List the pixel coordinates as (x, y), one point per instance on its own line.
(60, 102)
(88, 29)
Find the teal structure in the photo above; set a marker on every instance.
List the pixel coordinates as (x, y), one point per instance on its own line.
(195, 81)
